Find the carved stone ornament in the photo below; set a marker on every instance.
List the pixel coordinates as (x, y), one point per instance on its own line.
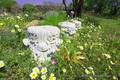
(43, 41)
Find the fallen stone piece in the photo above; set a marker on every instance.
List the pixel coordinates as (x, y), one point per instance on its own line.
(43, 41)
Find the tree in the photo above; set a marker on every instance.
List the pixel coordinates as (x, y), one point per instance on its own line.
(7, 4)
(104, 7)
(114, 7)
(76, 10)
(29, 8)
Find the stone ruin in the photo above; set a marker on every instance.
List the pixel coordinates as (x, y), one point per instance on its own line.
(70, 27)
(43, 41)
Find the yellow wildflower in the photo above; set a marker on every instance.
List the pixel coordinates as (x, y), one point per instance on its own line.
(93, 72)
(36, 70)
(13, 31)
(2, 64)
(87, 71)
(68, 41)
(98, 59)
(99, 27)
(110, 67)
(64, 70)
(52, 77)
(85, 44)
(26, 15)
(22, 53)
(107, 55)
(43, 77)
(91, 68)
(18, 17)
(91, 78)
(112, 62)
(44, 70)
(81, 47)
(1, 24)
(17, 26)
(115, 78)
(33, 75)
(19, 30)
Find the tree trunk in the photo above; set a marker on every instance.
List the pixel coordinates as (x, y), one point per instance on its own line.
(76, 10)
(66, 8)
(78, 7)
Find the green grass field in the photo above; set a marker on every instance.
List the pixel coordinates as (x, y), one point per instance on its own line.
(93, 53)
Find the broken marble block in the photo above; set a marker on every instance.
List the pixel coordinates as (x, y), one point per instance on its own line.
(43, 41)
(70, 27)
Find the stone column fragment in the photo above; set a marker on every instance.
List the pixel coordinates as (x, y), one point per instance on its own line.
(71, 26)
(43, 41)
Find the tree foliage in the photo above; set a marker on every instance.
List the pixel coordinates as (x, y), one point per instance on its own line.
(107, 7)
(7, 4)
(29, 8)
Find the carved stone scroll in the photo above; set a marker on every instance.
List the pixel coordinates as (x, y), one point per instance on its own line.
(43, 41)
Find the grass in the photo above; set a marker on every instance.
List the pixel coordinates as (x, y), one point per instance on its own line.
(77, 61)
(110, 26)
(55, 19)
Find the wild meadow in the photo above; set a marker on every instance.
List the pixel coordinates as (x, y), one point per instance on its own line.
(92, 53)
